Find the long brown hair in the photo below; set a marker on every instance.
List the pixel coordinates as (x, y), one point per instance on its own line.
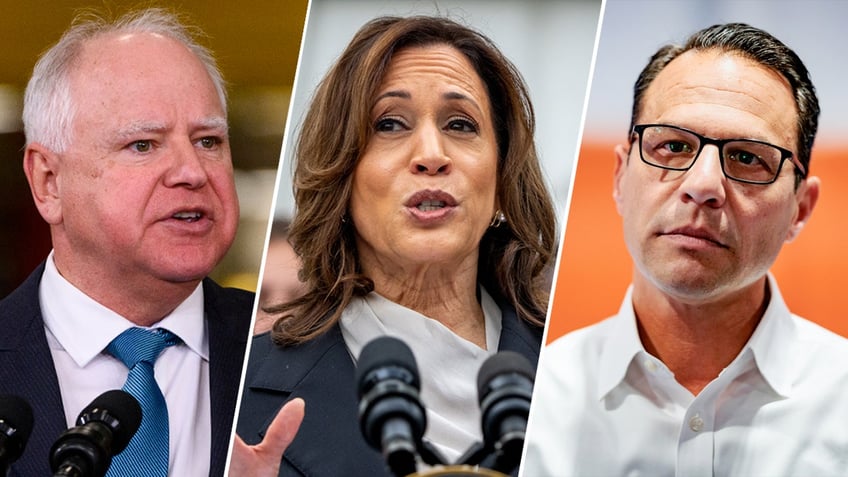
(336, 130)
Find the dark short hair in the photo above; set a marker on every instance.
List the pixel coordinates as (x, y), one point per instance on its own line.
(759, 46)
(336, 131)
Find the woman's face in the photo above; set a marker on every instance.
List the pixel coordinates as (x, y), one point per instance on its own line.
(424, 189)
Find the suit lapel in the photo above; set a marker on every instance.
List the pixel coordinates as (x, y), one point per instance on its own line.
(26, 369)
(519, 336)
(228, 316)
(321, 372)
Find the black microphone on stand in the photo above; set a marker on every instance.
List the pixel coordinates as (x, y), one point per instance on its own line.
(391, 415)
(104, 428)
(504, 387)
(393, 419)
(15, 428)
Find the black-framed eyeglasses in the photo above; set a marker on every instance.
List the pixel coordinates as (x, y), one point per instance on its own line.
(744, 160)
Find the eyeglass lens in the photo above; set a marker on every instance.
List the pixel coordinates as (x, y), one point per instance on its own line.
(672, 148)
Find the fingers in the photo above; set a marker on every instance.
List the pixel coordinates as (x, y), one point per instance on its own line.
(264, 458)
(283, 428)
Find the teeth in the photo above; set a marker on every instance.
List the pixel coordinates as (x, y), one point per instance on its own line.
(189, 216)
(429, 205)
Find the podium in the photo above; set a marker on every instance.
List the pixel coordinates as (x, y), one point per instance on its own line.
(458, 471)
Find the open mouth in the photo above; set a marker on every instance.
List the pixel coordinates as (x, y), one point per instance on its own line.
(188, 216)
(429, 205)
(429, 200)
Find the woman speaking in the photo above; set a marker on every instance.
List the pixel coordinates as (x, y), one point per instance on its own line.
(421, 213)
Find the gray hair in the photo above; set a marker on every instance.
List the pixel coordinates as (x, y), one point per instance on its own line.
(49, 108)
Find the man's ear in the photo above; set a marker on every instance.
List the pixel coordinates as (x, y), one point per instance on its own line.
(807, 195)
(621, 156)
(41, 167)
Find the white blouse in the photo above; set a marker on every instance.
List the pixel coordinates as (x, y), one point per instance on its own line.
(447, 364)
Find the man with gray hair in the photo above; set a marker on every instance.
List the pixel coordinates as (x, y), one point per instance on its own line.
(704, 371)
(128, 160)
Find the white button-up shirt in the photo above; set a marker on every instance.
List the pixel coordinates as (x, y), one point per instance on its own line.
(603, 406)
(78, 331)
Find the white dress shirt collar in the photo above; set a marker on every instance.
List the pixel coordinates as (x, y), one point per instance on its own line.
(70, 314)
(623, 345)
(774, 342)
(771, 346)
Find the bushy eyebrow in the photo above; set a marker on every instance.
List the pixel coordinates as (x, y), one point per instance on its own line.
(216, 122)
(136, 128)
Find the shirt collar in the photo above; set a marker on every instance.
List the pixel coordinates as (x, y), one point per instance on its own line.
(772, 344)
(373, 315)
(622, 345)
(774, 341)
(84, 327)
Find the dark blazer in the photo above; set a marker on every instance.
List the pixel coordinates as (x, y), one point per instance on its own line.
(26, 368)
(329, 442)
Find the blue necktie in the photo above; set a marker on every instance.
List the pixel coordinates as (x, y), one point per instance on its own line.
(147, 452)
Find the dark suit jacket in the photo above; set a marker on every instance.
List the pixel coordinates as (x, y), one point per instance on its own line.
(329, 442)
(26, 368)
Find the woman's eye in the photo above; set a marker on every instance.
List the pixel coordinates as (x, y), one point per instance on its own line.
(462, 125)
(388, 125)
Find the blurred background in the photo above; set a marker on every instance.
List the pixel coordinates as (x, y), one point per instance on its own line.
(594, 267)
(256, 43)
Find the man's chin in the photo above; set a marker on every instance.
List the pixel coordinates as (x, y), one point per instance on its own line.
(185, 271)
(689, 284)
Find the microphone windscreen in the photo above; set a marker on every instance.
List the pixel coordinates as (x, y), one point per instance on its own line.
(121, 406)
(385, 351)
(16, 413)
(503, 362)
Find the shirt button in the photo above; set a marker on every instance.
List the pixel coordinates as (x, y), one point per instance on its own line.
(696, 423)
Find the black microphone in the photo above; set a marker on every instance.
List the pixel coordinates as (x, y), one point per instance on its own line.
(391, 415)
(504, 387)
(15, 428)
(103, 430)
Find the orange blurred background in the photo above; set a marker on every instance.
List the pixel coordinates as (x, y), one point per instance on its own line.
(595, 268)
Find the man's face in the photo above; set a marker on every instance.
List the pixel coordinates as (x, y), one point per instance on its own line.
(146, 186)
(697, 235)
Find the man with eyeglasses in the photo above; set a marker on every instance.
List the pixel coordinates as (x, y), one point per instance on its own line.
(704, 371)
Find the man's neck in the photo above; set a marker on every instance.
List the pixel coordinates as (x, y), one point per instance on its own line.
(143, 302)
(697, 340)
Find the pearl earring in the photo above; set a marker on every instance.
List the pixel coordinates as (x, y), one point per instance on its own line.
(498, 219)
